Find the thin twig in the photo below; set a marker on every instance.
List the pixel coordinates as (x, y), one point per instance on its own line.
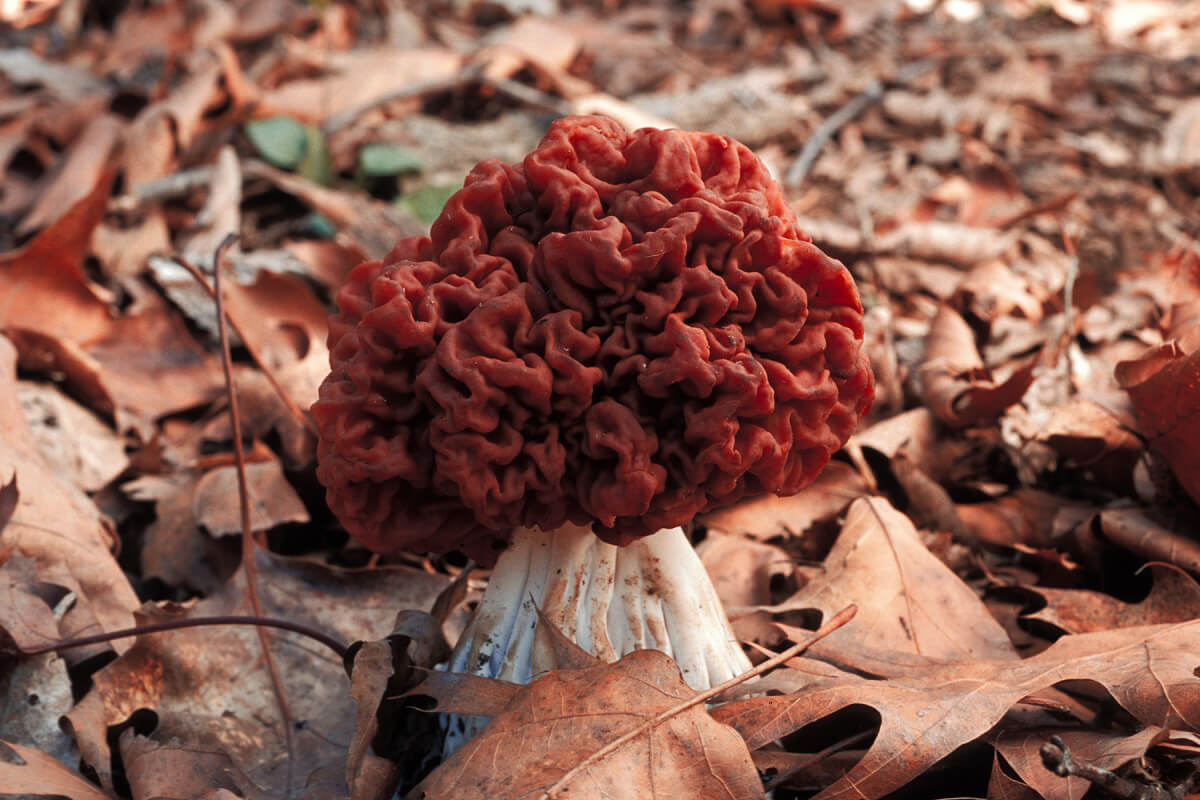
(835, 622)
(288, 403)
(1069, 307)
(172, 185)
(239, 455)
(194, 622)
(1058, 759)
(857, 104)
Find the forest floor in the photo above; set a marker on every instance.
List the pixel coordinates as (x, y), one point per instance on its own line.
(1014, 185)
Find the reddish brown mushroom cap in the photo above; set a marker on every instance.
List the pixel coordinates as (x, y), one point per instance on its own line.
(625, 328)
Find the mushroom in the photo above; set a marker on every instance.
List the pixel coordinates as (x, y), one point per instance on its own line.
(593, 346)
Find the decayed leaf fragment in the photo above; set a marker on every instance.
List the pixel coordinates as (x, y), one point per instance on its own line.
(544, 729)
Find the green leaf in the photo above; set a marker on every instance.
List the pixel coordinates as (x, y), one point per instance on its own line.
(379, 160)
(281, 141)
(426, 202)
(317, 164)
(320, 225)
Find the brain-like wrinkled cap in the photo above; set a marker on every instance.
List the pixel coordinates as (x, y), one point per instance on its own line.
(624, 329)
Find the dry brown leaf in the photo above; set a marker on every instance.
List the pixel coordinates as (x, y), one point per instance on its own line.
(210, 681)
(285, 327)
(365, 223)
(164, 766)
(174, 547)
(1093, 438)
(25, 617)
(991, 290)
(908, 601)
(356, 78)
(945, 241)
(122, 252)
(956, 385)
(1003, 787)
(392, 742)
(55, 523)
(1174, 597)
(38, 774)
(82, 448)
(930, 708)
(1164, 385)
(43, 287)
(1180, 146)
(273, 501)
(327, 262)
(82, 168)
(537, 43)
(744, 572)
(770, 516)
(1025, 518)
(36, 693)
(561, 718)
(915, 430)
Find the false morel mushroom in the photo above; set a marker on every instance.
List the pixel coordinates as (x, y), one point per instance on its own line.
(592, 346)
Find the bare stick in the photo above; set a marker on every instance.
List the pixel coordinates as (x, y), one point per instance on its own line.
(239, 455)
(287, 401)
(1058, 759)
(195, 622)
(858, 104)
(835, 622)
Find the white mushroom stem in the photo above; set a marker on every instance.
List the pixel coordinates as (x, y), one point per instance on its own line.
(651, 594)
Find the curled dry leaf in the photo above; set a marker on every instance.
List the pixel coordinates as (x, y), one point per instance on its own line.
(548, 727)
(929, 708)
(908, 600)
(1164, 385)
(991, 290)
(25, 617)
(394, 743)
(364, 223)
(1024, 518)
(955, 384)
(1174, 597)
(1137, 532)
(134, 367)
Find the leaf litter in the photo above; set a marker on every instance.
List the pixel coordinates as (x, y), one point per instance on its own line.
(1014, 186)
